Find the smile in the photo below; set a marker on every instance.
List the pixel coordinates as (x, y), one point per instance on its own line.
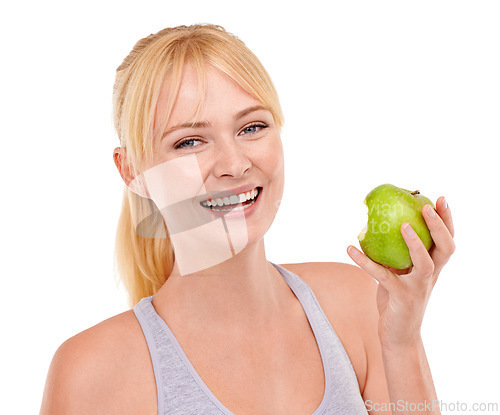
(233, 202)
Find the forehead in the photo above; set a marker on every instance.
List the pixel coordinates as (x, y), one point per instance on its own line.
(215, 95)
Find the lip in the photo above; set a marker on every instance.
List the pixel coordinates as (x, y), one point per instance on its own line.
(231, 192)
(238, 214)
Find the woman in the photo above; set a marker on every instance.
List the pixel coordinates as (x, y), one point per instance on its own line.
(215, 327)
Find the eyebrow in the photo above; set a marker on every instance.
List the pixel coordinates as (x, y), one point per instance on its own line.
(202, 124)
(249, 110)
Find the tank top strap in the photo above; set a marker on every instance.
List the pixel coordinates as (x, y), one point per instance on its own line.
(180, 389)
(342, 394)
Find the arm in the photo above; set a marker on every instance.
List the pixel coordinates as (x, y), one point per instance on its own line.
(105, 369)
(416, 388)
(394, 377)
(396, 353)
(67, 389)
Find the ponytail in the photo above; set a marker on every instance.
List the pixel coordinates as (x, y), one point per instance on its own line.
(144, 263)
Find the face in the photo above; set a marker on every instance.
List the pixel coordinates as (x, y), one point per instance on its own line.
(233, 146)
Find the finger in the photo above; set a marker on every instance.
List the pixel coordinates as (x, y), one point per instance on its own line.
(444, 246)
(400, 271)
(444, 213)
(423, 265)
(383, 275)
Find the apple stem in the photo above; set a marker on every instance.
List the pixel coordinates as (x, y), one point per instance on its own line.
(416, 192)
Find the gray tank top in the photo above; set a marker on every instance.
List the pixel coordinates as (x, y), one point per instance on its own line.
(182, 391)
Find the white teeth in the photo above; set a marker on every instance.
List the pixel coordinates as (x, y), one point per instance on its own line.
(232, 200)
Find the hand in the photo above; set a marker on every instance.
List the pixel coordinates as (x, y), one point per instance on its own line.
(402, 295)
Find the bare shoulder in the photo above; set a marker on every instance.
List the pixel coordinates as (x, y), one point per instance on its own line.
(345, 279)
(338, 286)
(95, 370)
(347, 295)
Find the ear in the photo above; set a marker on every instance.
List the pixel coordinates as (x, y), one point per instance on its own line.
(122, 164)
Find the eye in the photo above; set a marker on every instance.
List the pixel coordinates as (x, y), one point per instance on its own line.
(254, 128)
(187, 140)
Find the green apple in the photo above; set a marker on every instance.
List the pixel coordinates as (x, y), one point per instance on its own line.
(388, 208)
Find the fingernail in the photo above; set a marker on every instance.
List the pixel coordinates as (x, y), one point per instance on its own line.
(409, 231)
(353, 252)
(430, 211)
(445, 205)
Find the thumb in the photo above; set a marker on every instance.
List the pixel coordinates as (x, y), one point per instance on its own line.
(382, 274)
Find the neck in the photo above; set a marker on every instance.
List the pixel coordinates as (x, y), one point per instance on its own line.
(245, 290)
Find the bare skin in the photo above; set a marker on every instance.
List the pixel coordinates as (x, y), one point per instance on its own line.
(107, 369)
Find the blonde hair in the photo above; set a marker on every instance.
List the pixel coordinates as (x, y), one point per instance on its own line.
(144, 263)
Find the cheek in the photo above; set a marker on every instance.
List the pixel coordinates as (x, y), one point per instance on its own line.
(272, 165)
(272, 160)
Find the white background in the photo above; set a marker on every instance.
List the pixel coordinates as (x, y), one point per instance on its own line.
(373, 92)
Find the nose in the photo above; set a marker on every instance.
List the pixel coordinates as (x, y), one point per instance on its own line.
(231, 159)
